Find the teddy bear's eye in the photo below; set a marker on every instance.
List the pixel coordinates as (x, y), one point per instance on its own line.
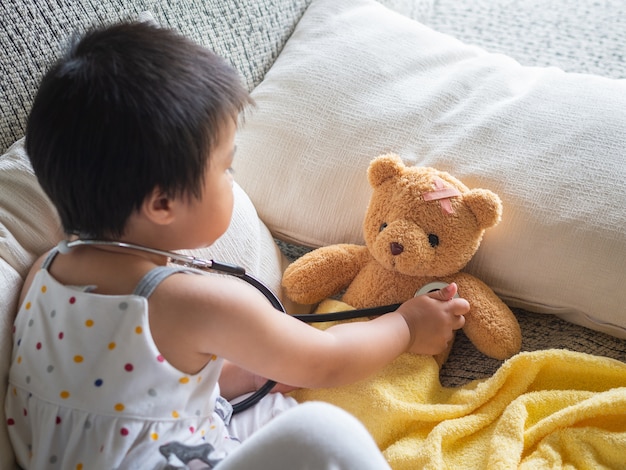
(433, 240)
(382, 227)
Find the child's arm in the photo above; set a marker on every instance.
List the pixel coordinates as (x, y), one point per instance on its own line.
(193, 317)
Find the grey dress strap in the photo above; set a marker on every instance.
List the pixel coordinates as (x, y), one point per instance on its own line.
(48, 259)
(151, 280)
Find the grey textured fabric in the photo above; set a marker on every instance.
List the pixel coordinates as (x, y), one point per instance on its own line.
(583, 36)
(249, 34)
(539, 332)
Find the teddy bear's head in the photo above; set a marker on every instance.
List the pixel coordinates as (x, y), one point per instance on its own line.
(424, 222)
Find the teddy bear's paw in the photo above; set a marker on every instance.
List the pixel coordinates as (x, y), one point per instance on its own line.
(323, 272)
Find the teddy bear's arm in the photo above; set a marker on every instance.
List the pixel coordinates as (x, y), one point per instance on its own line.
(490, 325)
(323, 272)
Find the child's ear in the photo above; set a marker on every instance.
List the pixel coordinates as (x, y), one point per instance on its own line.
(158, 207)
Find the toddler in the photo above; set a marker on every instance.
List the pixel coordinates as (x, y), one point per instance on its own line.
(121, 361)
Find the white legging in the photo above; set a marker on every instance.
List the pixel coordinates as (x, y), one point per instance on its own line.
(311, 436)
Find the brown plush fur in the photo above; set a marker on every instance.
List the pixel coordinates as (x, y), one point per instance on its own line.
(411, 241)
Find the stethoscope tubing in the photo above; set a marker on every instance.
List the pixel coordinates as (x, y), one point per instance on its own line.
(240, 272)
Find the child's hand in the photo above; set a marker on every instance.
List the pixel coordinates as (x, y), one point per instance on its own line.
(432, 319)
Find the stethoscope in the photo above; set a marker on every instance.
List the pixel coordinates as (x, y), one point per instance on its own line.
(189, 261)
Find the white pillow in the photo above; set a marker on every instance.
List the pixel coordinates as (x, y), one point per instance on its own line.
(28, 221)
(356, 80)
(29, 226)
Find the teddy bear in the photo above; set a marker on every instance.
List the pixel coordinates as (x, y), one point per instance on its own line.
(421, 226)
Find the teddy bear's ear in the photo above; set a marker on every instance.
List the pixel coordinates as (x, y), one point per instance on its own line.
(485, 205)
(383, 168)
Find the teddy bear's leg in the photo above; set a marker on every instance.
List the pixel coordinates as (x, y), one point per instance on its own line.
(490, 325)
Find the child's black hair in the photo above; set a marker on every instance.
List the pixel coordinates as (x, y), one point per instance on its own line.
(128, 108)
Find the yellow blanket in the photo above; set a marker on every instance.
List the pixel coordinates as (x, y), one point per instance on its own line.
(545, 409)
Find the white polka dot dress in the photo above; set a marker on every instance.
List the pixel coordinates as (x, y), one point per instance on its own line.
(88, 388)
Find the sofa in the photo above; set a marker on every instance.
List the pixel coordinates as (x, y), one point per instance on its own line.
(527, 100)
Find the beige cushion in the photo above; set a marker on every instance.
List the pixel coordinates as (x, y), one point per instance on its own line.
(10, 283)
(29, 226)
(356, 80)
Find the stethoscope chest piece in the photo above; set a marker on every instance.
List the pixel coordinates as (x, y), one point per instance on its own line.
(432, 287)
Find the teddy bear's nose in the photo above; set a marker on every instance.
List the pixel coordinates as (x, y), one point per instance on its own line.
(396, 248)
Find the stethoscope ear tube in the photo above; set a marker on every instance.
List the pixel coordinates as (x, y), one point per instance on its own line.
(347, 314)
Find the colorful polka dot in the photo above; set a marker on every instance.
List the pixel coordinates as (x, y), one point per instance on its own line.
(139, 330)
(112, 346)
(58, 420)
(27, 306)
(154, 436)
(50, 368)
(160, 358)
(128, 367)
(119, 407)
(78, 359)
(152, 392)
(64, 394)
(38, 346)
(10, 422)
(31, 322)
(175, 414)
(184, 380)
(43, 289)
(79, 466)
(61, 335)
(98, 383)
(72, 300)
(123, 306)
(25, 412)
(192, 429)
(53, 313)
(89, 323)
(19, 359)
(124, 432)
